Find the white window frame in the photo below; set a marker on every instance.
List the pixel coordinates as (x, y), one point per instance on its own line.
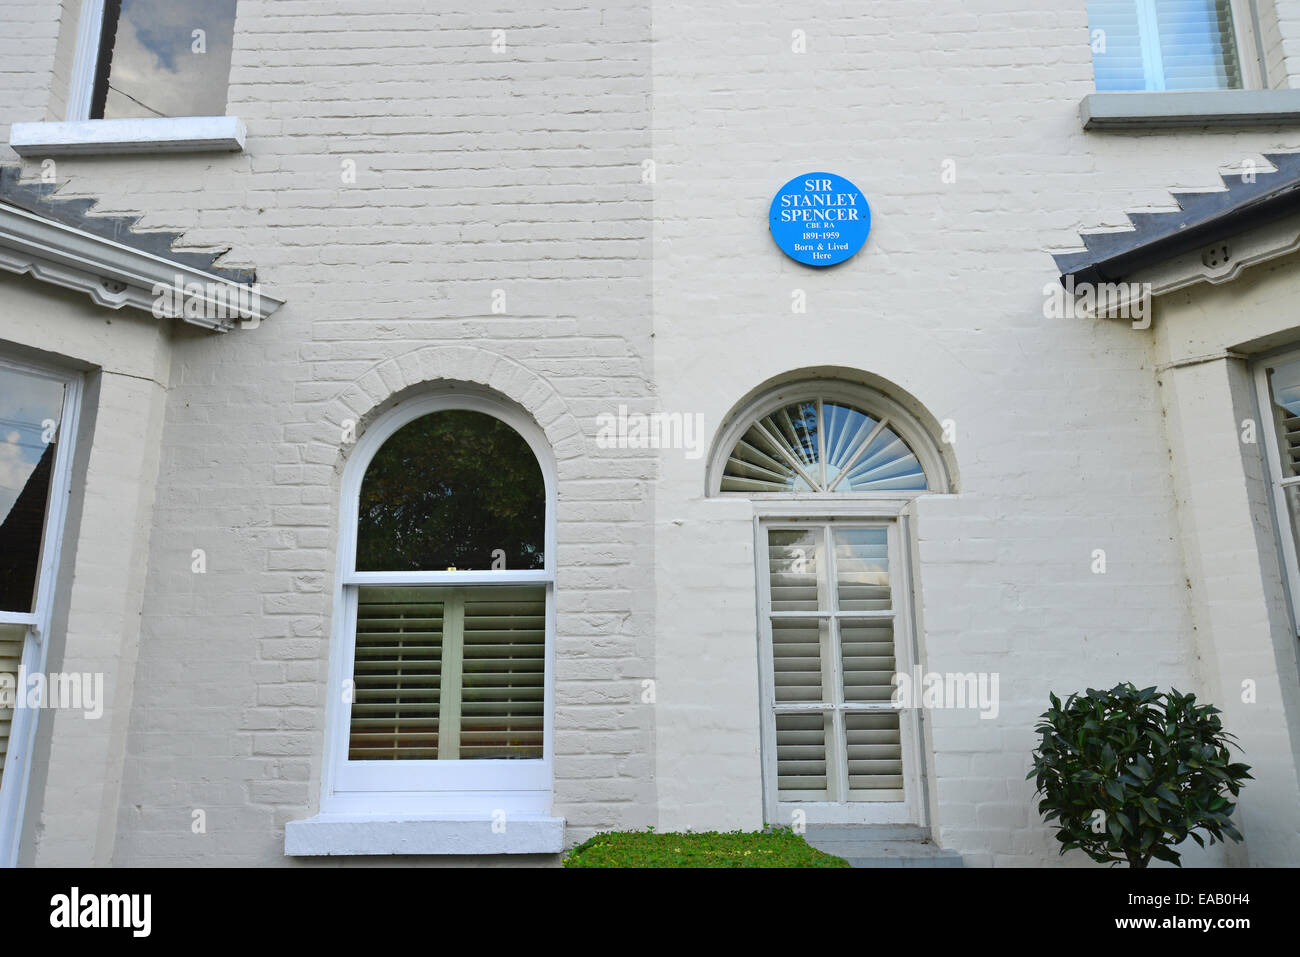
(424, 787)
(15, 781)
(1286, 537)
(888, 514)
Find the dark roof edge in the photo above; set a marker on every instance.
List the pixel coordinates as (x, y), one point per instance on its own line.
(1202, 219)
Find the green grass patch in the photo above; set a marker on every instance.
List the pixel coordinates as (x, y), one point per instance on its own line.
(779, 847)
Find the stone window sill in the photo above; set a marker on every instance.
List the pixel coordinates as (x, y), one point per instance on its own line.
(1169, 109)
(183, 134)
(348, 834)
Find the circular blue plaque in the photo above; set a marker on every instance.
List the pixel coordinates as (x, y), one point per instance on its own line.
(819, 219)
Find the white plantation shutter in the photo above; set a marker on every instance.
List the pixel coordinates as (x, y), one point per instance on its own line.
(801, 756)
(1164, 45)
(1289, 436)
(503, 673)
(875, 754)
(397, 670)
(448, 673)
(12, 638)
(833, 660)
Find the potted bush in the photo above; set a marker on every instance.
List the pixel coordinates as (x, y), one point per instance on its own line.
(1129, 774)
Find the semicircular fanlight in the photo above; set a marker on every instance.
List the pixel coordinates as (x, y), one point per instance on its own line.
(822, 446)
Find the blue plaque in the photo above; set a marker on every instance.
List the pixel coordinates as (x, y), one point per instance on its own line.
(820, 219)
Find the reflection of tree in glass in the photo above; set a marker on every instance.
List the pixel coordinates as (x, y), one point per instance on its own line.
(448, 490)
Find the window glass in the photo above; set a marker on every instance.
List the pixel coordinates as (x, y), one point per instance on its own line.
(164, 58)
(31, 408)
(452, 490)
(822, 446)
(1163, 45)
(448, 673)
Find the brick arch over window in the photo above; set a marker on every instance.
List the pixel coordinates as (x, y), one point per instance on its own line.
(819, 433)
(436, 367)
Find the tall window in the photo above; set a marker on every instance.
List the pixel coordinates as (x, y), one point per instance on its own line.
(1164, 45)
(38, 409)
(1279, 392)
(831, 469)
(147, 58)
(446, 601)
(834, 648)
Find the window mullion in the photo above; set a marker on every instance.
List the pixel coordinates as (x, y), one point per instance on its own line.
(449, 676)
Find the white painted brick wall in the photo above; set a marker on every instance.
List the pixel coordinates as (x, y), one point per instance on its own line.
(522, 172)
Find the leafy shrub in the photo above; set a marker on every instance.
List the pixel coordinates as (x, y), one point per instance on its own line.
(1130, 774)
(779, 847)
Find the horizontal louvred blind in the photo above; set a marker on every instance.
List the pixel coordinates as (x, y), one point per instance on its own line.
(397, 670)
(1290, 443)
(875, 756)
(801, 765)
(1117, 50)
(867, 656)
(797, 659)
(503, 674)
(11, 656)
(1197, 46)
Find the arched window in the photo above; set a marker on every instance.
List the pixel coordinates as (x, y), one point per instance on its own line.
(443, 655)
(824, 438)
(834, 591)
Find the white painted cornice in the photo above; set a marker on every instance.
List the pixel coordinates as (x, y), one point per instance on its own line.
(115, 275)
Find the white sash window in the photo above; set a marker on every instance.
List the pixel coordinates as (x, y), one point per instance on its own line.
(441, 690)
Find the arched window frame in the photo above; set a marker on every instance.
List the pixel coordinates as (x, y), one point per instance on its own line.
(869, 400)
(428, 786)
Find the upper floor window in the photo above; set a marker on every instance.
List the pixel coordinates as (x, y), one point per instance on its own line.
(152, 58)
(1167, 44)
(446, 594)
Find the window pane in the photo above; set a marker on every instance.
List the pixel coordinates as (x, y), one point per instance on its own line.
(862, 569)
(452, 490)
(397, 674)
(152, 63)
(794, 566)
(887, 464)
(31, 408)
(875, 757)
(502, 687)
(798, 659)
(448, 673)
(801, 756)
(1284, 383)
(1197, 46)
(1117, 62)
(1163, 45)
(867, 653)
